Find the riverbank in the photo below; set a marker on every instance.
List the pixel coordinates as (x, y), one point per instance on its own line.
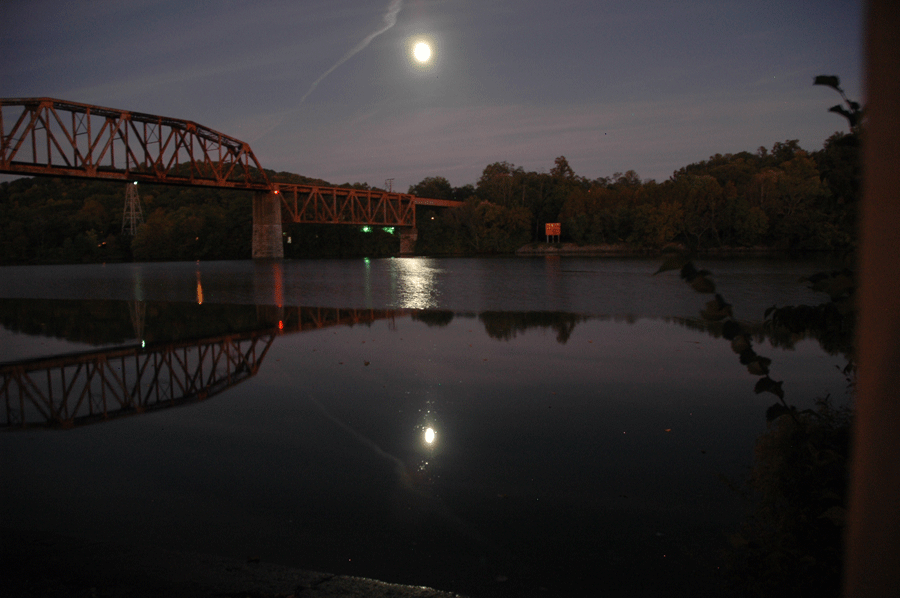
(622, 250)
(40, 565)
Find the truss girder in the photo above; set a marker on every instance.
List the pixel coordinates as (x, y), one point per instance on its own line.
(90, 387)
(45, 136)
(341, 205)
(50, 137)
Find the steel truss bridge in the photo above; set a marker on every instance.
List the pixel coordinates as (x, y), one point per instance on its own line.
(50, 137)
(342, 205)
(75, 390)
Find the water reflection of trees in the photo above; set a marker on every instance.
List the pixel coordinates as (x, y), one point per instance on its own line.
(505, 325)
(502, 325)
(779, 337)
(94, 323)
(433, 317)
(108, 322)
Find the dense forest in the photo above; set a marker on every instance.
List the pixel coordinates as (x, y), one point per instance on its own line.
(783, 198)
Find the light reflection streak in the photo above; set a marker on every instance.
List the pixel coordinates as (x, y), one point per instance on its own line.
(426, 430)
(199, 290)
(416, 284)
(138, 279)
(278, 278)
(367, 282)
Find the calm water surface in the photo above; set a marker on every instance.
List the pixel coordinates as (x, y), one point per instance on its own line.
(496, 427)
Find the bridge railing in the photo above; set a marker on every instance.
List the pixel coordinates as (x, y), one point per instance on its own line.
(45, 136)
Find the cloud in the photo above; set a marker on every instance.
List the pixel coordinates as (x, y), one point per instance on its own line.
(389, 19)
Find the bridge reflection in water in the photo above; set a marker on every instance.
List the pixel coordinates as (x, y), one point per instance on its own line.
(72, 390)
(66, 391)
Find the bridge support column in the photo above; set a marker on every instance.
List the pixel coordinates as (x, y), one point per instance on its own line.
(267, 226)
(408, 237)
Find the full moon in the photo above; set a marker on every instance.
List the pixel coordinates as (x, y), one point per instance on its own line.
(422, 52)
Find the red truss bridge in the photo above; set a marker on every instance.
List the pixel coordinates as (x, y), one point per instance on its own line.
(50, 137)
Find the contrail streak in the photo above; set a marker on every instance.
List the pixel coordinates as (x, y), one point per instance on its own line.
(389, 19)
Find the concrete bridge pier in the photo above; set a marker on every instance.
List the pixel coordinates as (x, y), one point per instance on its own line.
(267, 235)
(408, 237)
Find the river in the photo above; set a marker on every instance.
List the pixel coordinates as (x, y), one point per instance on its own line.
(492, 426)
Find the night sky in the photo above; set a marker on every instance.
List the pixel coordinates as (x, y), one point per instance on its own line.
(330, 88)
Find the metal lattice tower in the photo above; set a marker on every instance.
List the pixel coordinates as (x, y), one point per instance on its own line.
(132, 216)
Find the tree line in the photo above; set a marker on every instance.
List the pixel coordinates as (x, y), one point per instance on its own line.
(780, 198)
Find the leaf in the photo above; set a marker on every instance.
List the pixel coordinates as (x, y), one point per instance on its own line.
(716, 310)
(730, 330)
(836, 284)
(851, 117)
(758, 367)
(756, 364)
(768, 385)
(688, 271)
(740, 344)
(747, 356)
(838, 109)
(775, 411)
(698, 279)
(831, 81)
(702, 284)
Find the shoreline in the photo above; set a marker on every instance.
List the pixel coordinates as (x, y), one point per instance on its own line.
(621, 250)
(48, 565)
